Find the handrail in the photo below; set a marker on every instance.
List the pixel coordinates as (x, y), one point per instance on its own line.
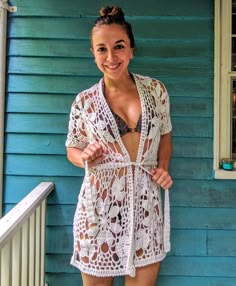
(22, 240)
(16, 217)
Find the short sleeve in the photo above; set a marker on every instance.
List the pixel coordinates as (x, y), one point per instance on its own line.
(164, 110)
(76, 136)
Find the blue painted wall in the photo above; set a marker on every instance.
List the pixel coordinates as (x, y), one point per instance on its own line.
(49, 63)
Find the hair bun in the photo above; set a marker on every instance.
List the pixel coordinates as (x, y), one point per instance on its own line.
(113, 11)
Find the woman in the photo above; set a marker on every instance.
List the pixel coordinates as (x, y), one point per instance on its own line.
(120, 132)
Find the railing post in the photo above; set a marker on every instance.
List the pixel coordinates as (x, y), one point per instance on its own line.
(16, 258)
(6, 265)
(25, 254)
(43, 235)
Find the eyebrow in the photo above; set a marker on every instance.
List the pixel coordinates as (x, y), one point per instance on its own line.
(117, 42)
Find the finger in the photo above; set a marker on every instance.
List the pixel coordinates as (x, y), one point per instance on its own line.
(87, 154)
(160, 175)
(95, 161)
(162, 178)
(96, 149)
(156, 172)
(167, 184)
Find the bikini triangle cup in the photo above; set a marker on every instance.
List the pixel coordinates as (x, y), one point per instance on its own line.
(123, 127)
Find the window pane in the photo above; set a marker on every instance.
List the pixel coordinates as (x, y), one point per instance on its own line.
(233, 23)
(234, 6)
(234, 54)
(234, 119)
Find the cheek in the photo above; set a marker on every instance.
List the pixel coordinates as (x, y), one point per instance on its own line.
(99, 62)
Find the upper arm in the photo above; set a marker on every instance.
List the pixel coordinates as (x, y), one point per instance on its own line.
(164, 109)
(77, 135)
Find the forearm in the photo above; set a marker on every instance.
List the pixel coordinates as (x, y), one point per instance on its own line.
(165, 151)
(74, 155)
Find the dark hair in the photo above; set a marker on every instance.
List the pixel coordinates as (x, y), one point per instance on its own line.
(115, 15)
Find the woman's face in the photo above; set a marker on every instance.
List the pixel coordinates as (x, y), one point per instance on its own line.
(111, 49)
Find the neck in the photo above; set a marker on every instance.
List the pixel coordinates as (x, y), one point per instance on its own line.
(124, 82)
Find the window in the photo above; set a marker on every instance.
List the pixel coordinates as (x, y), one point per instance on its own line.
(234, 118)
(225, 86)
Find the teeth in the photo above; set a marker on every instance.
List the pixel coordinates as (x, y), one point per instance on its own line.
(113, 66)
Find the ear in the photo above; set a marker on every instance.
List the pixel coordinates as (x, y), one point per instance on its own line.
(91, 50)
(132, 54)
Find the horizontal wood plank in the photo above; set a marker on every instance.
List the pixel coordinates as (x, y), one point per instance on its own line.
(184, 193)
(187, 168)
(183, 67)
(77, 8)
(53, 144)
(64, 245)
(168, 48)
(40, 165)
(183, 242)
(39, 103)
(61, 279)
(221, 243)
(192, 127)
(181, 217)
(204, 218)
(58, 165)
(177, 86)
(193, 147)
(197, 107)
(178, 266)
(40, 123)
(202, 193)
(67, 28)
(66, 188)
(48, 103)
(199, 266)
(58, 124)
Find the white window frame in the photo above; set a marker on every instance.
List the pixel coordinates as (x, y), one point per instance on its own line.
(4, 8)
(3, 36)
(222, 87)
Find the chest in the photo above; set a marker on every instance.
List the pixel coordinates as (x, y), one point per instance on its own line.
(126, 105)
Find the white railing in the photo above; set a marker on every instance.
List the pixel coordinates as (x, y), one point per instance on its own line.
(22, 240)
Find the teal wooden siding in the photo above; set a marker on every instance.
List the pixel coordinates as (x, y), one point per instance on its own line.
(49, 62)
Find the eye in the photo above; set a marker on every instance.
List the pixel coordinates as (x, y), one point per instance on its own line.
(101, 49)
(119, 47)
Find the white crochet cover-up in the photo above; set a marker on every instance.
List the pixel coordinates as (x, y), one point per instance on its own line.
(119, 223)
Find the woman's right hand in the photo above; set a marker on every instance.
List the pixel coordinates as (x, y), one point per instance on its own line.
(93, 154)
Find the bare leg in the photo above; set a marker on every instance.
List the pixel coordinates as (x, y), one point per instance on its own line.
(146, 275)
(89, 280)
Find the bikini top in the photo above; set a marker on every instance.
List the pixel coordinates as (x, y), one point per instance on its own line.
(124, 128)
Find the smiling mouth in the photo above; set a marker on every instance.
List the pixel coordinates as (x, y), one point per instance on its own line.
(112, 67)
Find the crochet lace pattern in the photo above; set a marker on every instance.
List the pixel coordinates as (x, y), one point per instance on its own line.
(118, 223)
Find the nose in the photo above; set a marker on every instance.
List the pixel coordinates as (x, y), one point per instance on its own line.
(111, 55)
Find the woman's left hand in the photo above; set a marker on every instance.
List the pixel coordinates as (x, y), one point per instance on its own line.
(162, 178)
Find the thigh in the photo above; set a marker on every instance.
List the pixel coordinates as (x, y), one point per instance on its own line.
(146, 275)
(89, 280)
